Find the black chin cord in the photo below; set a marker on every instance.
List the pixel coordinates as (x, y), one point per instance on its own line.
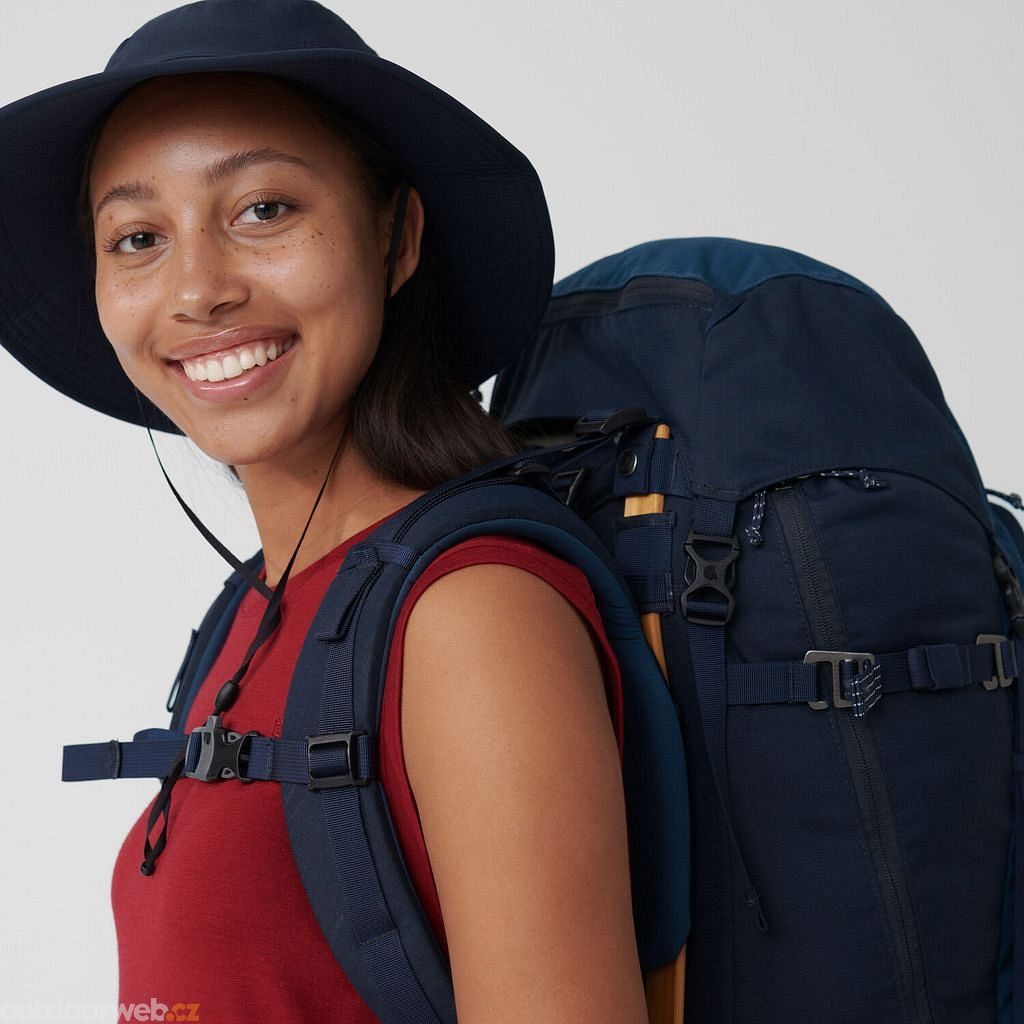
(233, 560)
(228, 693)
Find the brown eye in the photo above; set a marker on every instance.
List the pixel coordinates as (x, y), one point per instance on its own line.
(117, 244)
(270, 208)
(266, 209)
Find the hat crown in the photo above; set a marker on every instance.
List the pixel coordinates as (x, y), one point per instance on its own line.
(217, 28)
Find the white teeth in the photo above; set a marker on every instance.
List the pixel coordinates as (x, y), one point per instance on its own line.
(232, 367)
(235, 363)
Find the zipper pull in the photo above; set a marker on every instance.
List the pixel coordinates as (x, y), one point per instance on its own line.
(753, 531)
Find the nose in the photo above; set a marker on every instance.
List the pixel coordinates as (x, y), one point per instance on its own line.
(205, 274)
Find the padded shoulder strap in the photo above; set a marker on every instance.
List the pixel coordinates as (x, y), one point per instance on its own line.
(344, 844)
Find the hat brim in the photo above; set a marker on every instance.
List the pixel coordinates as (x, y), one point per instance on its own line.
(484, 203)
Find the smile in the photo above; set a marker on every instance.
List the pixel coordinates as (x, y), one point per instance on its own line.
(234, 362)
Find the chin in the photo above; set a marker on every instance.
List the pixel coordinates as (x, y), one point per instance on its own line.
(240, 455)
(250, 434)
(244, 445)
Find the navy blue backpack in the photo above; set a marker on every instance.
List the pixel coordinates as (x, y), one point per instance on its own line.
(842, 623)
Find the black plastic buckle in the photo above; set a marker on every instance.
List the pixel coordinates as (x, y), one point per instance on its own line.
(867, 692)
(717, 575)
(349, 778)
(610, 424)
(576, 476)
(552, 481)
(223, 753)
(1002, 677)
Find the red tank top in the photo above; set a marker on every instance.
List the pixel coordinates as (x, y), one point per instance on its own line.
(224, 923)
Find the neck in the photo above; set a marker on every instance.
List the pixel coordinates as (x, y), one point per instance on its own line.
(281, 494)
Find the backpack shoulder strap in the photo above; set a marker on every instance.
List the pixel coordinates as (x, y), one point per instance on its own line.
(340, 829)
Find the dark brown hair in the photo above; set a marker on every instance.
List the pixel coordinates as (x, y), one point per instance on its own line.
(414, 421)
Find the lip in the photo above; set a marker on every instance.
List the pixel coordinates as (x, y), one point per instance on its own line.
(223, 341)
(236, 387)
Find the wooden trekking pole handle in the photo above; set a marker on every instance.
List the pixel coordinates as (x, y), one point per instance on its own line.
(665, 985)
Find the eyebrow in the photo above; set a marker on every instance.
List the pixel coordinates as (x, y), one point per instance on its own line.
(218, 171)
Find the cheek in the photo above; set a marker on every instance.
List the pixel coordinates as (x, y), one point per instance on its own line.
(332, 280)
(122, 314)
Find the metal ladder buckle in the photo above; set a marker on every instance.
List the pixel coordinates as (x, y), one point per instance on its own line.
(1001, 678)
(863, 659)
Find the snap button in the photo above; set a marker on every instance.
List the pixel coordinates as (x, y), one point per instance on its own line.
(628, 462)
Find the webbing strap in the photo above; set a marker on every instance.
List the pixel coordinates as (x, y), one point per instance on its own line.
(658, 467)
(643, 551)
(138, 759)
(368, 915)
(292, 761)
(382, 552)
(714, 518)
(924, 668)
(270, 760)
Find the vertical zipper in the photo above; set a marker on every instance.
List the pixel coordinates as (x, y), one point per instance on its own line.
(821, 604)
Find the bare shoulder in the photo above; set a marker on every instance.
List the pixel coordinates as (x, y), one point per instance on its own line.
(512, 758)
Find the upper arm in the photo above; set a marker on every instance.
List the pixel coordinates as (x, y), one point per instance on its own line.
(513, 761)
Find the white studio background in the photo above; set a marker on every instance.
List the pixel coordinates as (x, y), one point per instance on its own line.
(882, 137)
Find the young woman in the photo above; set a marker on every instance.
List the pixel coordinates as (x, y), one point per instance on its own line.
(304, 257)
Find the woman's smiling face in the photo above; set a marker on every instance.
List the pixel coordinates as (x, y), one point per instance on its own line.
(222, 203)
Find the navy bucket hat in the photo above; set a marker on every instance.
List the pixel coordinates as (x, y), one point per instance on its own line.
(485, 208)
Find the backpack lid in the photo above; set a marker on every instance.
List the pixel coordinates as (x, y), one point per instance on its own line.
(767, 364)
